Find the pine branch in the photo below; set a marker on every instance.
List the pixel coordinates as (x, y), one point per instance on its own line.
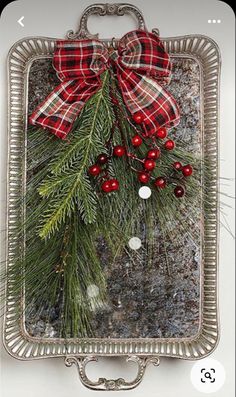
(68, 187)
(76, 194)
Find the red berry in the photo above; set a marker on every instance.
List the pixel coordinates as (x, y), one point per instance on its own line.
(137, 141)
(187, 170)
(106, 186)
(143, 177)
(169, 145)
(95, 170)
(161, 133)
(102, 158)
(179, 191)
(149, 164)
(114, 184)
(138, 118)
(177, 165)
(160, 182)
(153, 154)
(118, 151)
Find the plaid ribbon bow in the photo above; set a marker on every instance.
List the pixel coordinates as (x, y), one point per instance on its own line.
(142, 68)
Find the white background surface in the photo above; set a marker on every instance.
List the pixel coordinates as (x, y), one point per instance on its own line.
(173, 17)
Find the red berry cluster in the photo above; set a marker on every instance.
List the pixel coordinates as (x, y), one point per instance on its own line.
(108, 185)
(152, 155)
(186, 170)
(96, 169)
(148, 163)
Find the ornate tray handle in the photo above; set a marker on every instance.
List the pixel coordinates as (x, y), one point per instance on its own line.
(102, 9)
(111, 384)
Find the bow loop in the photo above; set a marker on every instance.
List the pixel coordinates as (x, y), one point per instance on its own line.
(81, 59)
(144, 53)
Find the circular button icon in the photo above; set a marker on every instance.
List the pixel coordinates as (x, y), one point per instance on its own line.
(208, 375)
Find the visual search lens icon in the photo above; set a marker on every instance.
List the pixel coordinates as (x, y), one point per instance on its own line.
(208, 375)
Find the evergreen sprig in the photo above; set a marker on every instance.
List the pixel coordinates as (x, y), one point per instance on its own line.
(68, 187)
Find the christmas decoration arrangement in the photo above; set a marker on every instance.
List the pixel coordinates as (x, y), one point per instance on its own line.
(102, 165)
(112, 198)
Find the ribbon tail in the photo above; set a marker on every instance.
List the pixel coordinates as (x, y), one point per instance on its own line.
(145, 95)
(61, 108)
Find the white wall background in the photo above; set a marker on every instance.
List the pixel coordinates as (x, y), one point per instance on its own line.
(173, 17)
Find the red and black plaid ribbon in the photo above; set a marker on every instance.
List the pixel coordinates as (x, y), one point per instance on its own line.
(142, 66)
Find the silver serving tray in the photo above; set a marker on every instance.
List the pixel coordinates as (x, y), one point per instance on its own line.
(17, 341)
